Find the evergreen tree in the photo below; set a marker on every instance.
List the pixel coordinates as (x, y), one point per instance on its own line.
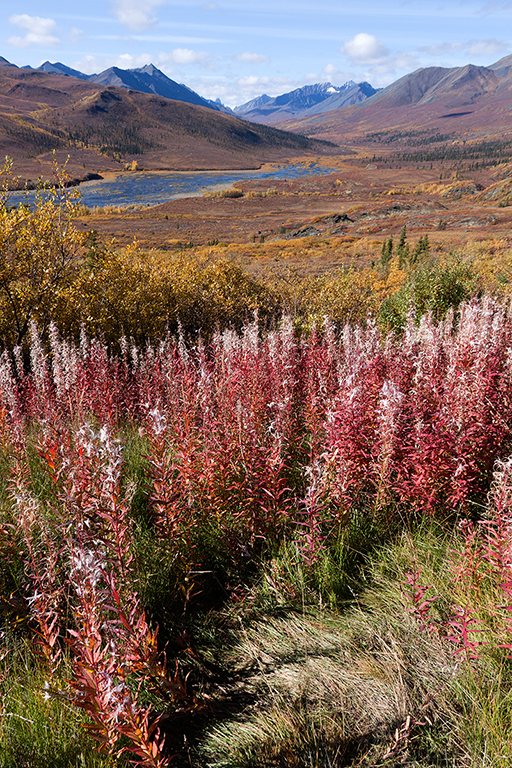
(387, 252)
(402, 248)
(422, 246)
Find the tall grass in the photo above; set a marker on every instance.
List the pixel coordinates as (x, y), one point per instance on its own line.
(269, 459)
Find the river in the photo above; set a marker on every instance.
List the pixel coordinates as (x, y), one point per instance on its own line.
(141, 189)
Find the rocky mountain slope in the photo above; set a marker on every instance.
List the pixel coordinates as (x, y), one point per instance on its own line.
(309, 100)
(147, 79)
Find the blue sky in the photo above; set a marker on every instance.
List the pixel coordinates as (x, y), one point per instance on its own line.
(237, 49)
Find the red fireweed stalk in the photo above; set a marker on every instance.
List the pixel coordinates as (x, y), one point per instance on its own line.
(464, 626)
(109, 646)
(99, 688)
(497, 544)
(40, 373)
(466, 563)
(311, 531)
(46, 592)
(421, 605)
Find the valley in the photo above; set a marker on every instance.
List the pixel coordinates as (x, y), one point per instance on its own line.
(343, 216)
(107, 128)
(432, 151)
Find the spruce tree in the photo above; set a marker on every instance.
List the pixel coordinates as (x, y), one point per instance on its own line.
(402, 248)
(387, 252)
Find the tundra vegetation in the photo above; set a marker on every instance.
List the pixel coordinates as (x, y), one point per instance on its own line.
(251, 520)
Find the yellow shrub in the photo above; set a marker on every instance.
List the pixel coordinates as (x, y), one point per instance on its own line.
(40, 254)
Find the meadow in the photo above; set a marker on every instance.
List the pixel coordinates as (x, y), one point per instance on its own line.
(252, 518)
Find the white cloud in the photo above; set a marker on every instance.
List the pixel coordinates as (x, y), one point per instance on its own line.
(490, 47)
(88, 65)
(136, 14)
(75, 34)
(188, 56)
(330, 70)
(335, 76)
(232, 91)
(38, 31)
(494, 8)
(364, 49)
(252, 80)
(92, 64)
(440, 49)
(386, 71)
(163, 60)
(251, 58)
(246, 88)
(374, 60)
(127, 61)
(407, 61)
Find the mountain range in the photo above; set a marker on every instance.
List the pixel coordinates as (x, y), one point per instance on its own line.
(308, 100)
(469, 102)
(140, 114)
(301, 102)
(105, 127)
(440, 98)
(148, 79)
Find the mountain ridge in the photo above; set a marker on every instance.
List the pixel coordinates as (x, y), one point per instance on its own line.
(468, 103)
(58, 68)
(307, 100)
(146, 79)
(461, 102)
(428, 84)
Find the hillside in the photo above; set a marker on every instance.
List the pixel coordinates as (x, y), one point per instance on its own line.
(467, 103)
(104, 128)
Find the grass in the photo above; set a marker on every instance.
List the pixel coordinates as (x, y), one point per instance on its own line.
(38, 730)
(232, 193)
(365, 685)
(307, 684)
(333, 688)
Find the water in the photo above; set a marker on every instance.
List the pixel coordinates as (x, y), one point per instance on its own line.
(142, 189)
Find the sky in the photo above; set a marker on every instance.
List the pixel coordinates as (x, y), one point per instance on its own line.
(236, 50)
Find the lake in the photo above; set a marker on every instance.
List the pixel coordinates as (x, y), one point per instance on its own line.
(142, 189)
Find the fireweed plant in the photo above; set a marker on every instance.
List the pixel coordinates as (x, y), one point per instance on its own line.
(251, 442)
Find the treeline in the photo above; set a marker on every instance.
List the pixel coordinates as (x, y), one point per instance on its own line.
(414, 138)
(39, 140)
(112, 138)
(493, 151)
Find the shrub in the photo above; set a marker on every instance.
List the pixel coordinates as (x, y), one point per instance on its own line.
(40, 252)
(436, 287)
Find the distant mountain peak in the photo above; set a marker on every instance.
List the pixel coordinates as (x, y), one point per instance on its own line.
(259, 101)
(456, 85)
(150, 79)
(147, 79)
(57, 68)
(308, 100)
(148, 69)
